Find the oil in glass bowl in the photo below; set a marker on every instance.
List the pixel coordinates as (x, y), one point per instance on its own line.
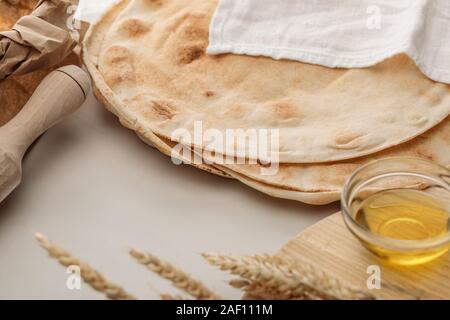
(399, 209)
(405, 214)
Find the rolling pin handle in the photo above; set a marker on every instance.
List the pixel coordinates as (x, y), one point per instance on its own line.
(61, 93)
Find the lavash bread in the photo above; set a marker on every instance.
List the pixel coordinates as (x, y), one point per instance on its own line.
(322, 183)
(153, 64)
(314, 198)
(310, 183)
(319, 184)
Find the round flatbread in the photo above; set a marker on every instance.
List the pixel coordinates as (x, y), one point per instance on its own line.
(320, 184)
(147, 58)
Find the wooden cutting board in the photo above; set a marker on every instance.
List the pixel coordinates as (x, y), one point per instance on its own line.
(332, 248)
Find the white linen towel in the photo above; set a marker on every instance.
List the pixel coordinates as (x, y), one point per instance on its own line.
(337, 33)
(89, 10)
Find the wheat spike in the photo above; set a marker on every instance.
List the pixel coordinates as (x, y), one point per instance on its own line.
(261, 291)
(170, 297)
(177, 277)
(258, 291)
(283, 279)
(89, 275)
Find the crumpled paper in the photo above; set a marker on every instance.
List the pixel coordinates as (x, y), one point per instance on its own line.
(39, 40)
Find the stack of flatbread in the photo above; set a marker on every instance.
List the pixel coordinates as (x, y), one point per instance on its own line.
(148, 63)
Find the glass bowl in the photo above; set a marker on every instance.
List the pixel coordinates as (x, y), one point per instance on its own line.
(399, 209)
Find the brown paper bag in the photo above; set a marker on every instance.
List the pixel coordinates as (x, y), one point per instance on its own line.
(17, 89)
(39, 40)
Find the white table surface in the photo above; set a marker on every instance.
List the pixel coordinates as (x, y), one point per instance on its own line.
(93, 187)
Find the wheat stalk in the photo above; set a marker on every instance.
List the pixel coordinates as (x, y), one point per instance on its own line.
(283, 279)
(260, 291)
(177, 277)
(170, 297)
(89, 275)
(257, 291)
(267, 288)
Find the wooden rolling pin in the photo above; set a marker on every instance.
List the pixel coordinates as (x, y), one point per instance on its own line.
(62, 92)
